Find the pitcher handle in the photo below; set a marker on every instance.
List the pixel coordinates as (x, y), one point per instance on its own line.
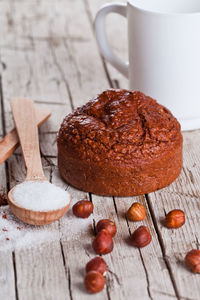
(102, 41)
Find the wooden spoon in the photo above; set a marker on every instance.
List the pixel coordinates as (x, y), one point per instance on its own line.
(25, 121)
(10, 142)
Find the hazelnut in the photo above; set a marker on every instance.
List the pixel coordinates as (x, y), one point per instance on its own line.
(103, 243)
(107, 225)
(97, 264)
(175, 219)
(136, 212)
(83, 208)
(94, 282)
(192, 260)
(141, 237)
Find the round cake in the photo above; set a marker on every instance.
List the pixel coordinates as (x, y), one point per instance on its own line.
(121, 143)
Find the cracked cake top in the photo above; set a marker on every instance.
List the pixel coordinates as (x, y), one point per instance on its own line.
(121, 126)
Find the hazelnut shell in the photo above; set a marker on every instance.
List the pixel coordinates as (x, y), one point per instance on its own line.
(141, 237)
(107, 225)
(97, 264)
(103, 243)
(136, 212)
(175, 219)
(192, 260)
(94, 282)
(83, 208)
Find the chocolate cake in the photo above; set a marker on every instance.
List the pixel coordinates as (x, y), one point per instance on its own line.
(121, 143)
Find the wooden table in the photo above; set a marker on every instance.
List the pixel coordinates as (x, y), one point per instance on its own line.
(48, 52)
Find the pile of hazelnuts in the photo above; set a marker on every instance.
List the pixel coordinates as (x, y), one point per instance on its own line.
(106, 229)
(102, 244)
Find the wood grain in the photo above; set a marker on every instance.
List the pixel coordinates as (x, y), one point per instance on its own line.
(25, 121)
(7, 277)
(24, 114)
(51, 56)
(45, 278)
(10, 142)
(184, 193)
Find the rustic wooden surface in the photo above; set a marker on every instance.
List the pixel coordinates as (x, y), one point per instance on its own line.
(48, 53)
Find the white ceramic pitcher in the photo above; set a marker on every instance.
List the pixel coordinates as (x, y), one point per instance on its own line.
(164, 52)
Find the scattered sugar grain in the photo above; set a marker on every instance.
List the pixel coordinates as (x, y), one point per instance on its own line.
(74, 228)
(23, 236)
(40, 196)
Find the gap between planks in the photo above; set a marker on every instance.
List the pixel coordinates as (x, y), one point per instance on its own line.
(162, 246)
(7, 180)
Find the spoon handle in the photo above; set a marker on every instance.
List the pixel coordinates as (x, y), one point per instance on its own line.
(10, 142)
(25, 120)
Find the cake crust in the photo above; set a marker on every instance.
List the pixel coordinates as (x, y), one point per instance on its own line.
(121, 143)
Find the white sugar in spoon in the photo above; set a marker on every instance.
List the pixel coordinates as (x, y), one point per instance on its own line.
(35, 201)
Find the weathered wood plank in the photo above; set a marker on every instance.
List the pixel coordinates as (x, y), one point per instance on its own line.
(46, 277)
(3, 181)
(40, 271)
(116, 30)
(76, 236)
(184, 193)
(136, 271)
(7, 278)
